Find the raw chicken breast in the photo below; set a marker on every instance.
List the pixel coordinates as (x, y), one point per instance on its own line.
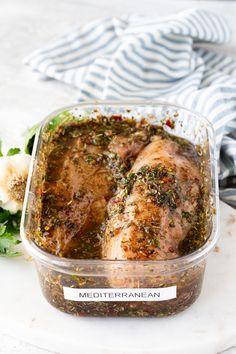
(155, 207)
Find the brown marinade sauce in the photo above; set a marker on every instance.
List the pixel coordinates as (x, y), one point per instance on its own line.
(81, 165)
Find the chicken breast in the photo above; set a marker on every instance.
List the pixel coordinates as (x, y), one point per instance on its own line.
(155, 206)
(82, 175)
(76, 198)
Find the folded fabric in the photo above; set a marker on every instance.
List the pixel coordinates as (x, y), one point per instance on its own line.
(133, 57)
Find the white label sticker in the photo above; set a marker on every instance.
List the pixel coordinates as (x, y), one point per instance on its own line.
(143, 294)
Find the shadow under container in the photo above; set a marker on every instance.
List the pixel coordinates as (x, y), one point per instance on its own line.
(122, 287)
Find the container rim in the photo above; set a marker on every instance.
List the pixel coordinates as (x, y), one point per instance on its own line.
(68, 264)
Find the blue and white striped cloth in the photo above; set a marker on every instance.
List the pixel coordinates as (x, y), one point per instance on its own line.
(133, 57)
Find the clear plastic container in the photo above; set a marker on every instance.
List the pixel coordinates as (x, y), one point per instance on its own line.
(121, 287)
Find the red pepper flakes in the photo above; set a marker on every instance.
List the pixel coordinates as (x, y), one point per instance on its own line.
(114, 201)
(117, 117)
(170, 123)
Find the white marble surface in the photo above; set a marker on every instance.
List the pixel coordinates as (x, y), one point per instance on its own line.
(27, 323)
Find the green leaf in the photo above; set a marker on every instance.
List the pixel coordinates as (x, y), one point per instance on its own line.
(11, 254)
(1, 154)
(9, 229)
(11, 221)
(7, 240)
(61, 118)
(29, 138)
(7, 243)
(4, 215)
(2, 229)
(13, 151)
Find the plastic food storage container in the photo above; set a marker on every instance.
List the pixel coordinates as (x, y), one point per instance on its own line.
(122, 287)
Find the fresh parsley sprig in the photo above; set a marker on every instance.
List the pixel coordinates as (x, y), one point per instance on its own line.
(9, 230)
(9, 223)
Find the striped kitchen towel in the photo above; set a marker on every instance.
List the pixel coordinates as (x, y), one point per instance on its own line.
(134, 57)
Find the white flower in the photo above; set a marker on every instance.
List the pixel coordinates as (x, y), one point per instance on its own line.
(13, 177)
